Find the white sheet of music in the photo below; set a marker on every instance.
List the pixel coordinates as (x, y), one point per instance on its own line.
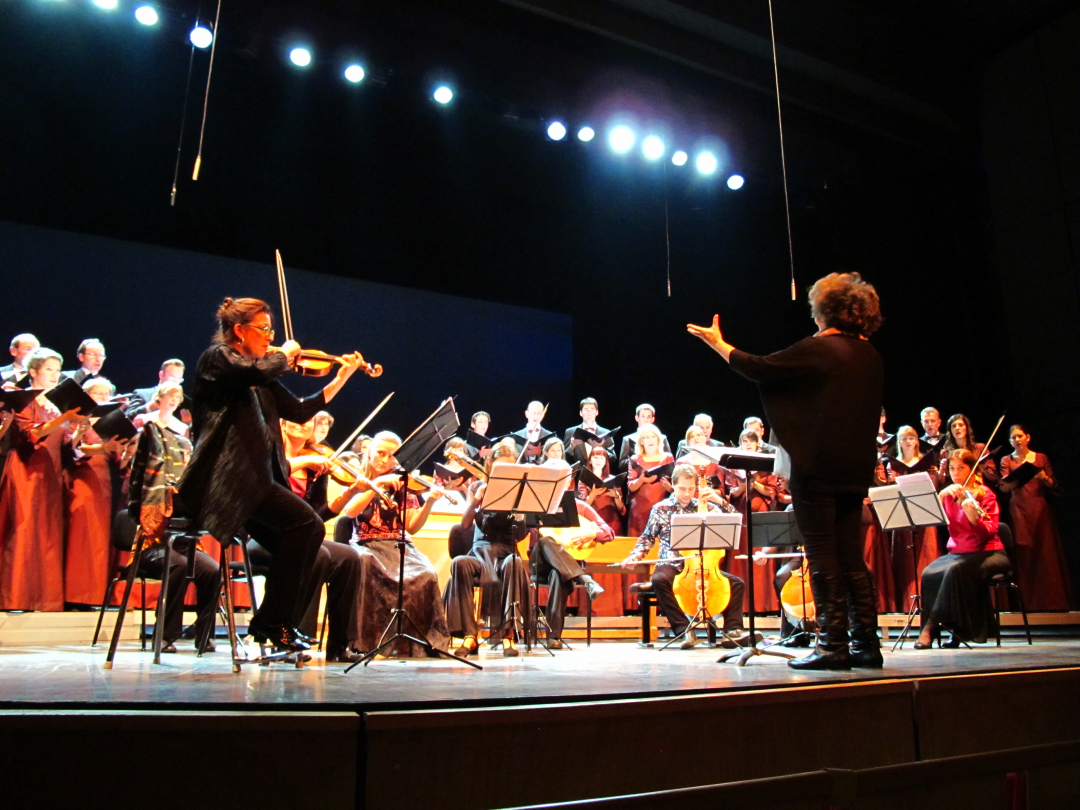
(920, 494)
(532, 488)
(888, 507)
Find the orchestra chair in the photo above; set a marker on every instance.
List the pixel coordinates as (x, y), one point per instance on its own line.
(178, 527)
(122, 537)
(1008, 581)
(647, 600)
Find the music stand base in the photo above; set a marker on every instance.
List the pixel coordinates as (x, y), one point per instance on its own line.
(750, 652)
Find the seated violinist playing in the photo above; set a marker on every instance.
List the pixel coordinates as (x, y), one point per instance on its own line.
(683, 502)
(953, 585)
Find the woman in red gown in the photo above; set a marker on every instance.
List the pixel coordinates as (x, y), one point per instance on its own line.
(764, 497)
(646, 490)
(1040, 558)
(89, 555)
(905, 568)
(32, 499)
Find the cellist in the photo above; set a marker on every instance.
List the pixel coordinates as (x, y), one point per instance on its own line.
(682, 501)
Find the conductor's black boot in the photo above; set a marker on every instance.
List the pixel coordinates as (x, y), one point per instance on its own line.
(831, 650)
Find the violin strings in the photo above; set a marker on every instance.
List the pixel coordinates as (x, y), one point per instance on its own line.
(783, 159)
(206, 97)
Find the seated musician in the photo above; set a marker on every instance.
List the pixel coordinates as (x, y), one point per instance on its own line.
(553, 562)
(683, 502)
(491, 563)
(953, 595)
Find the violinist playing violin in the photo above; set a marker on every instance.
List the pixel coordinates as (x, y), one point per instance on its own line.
(952, 585)
(238, 476)
(683, 501)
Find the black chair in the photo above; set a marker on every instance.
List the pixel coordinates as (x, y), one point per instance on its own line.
(1008, 581)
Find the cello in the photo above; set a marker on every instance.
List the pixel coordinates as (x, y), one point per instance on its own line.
(700, 586)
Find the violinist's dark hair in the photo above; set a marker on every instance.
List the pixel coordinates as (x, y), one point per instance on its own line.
(237, 311)
(968, 459)
(845, 302)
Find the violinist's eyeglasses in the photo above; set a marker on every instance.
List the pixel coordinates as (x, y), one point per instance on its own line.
(266, 330)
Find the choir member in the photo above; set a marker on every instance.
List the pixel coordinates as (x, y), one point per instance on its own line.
(906, 565)
(1041, 567)
(22, 346)
(834, 377)
(608, 503)
(554, 450)
(323, 422)
(695, 437)
(91, 355)
(142, 399)
(960, 436)
(644, 414)
(953, 586)
(161, 455)
(337, 565)
(378, 529)
(493, 564)
(764, 494)
(88, 550)
(238, 477)
(704, 423)
(683, 500)
(32, 498)
(479, 424)
(531, 438)
(755, 425)
(360, 445)
(576, 450)
(646, 490)
(931, 424)
(554, 566)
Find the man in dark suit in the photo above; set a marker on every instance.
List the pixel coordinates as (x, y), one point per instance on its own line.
(931, 422)
(644, 415)
(22, 346)
(91, 356)
(143, 399)
(533, 435)
(576, 450)
(703, 421)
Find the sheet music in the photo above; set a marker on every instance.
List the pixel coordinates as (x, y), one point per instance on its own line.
(888, 507)
(920, 495)
(526, 488)
(722, 530)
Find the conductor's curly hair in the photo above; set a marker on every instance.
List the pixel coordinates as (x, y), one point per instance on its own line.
(844, 301)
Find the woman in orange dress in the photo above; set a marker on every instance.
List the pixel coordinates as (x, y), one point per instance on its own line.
(32, 498)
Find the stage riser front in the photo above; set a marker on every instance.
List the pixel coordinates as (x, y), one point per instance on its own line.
(661, 744)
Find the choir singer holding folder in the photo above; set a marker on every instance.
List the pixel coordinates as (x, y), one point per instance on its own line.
(834, 377)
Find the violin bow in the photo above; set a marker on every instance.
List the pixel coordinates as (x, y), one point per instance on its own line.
(985, 452)
(283, 291)
(361, 426)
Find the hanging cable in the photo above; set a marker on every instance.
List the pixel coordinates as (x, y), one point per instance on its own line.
(206, 98)
(183, 121)
(783, 160)
(667, 232)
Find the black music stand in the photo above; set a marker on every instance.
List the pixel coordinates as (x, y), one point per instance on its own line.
(910, 503)
(748, 462)
(700, 531)
(414, 451)
(781, 529)
(566, 517)
(525, 489)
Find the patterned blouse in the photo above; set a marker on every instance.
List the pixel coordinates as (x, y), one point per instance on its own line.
(659, 527)
(380, 522)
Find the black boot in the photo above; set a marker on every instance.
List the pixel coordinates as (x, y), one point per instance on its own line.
(865, 650)
(831, 650)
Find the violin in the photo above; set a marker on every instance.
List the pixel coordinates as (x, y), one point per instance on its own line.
(310, 362)
(425, 483)
(349, 475)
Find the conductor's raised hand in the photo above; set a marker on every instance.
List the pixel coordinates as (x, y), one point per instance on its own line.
(712, 336)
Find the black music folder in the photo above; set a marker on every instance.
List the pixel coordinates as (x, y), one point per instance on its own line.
(1022, 474)
(922, 465)
(600, 437)
(591, 479)
(68, 395)
(663, 471)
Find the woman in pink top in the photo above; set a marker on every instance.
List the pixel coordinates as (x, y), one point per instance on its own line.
(953, 586)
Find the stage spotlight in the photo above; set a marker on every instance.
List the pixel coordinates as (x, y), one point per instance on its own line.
(653, 148)
(586, 134)
(706, 162)
(108, 5)
(679, 158)
(556, 130)
(301, 57)
(621, 139)
(443, 94)
(201, 37)
(355, 74)
(735, 182)
(147, 15)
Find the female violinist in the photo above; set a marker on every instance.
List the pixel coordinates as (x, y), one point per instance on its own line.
(953, 594)
(1041, 565)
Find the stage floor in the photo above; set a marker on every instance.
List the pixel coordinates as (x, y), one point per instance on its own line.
(73, 677)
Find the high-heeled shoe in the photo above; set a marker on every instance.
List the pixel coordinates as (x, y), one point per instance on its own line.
(935, 635)
(510, 651)
(280, 635)
(465, 650)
